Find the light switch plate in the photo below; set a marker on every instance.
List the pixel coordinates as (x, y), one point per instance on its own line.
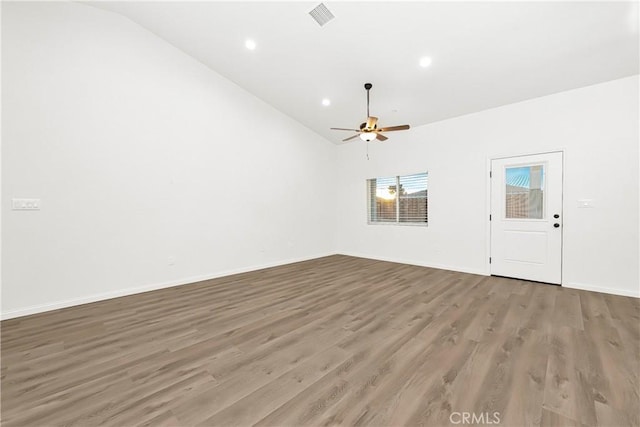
(25, 204)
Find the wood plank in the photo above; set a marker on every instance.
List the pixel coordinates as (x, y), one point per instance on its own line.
(552, 419)
(277, 392)
(568, 311)
(568, 390)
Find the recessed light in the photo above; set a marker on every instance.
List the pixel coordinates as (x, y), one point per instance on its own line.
(425, 62)
(250, 44)
(326, 102)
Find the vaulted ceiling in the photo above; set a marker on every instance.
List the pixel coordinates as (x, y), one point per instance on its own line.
(484, 54)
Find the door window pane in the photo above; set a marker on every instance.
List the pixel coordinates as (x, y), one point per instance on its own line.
(524, 192)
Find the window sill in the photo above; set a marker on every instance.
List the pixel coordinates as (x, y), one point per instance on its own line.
(402, 224)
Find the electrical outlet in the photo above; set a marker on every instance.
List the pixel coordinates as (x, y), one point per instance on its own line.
(25, 204)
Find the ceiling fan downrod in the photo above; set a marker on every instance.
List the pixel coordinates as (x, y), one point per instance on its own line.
(368, 86)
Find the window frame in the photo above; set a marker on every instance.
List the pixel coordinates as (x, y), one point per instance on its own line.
(397, 200)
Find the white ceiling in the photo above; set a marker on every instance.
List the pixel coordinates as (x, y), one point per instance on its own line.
(485, 54)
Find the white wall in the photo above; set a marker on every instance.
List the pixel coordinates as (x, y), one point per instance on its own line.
(139, 153)
(596, 126)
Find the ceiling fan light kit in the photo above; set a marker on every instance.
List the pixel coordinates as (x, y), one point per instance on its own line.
(369, 130)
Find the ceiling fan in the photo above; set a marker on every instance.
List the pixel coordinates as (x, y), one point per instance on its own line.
(369, 130)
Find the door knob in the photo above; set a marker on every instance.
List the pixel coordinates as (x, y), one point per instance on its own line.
(556, 225)
(556, 216)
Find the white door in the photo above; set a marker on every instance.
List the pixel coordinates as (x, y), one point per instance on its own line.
(526, 217)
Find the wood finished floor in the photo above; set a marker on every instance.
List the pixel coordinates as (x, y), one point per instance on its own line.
(333, 341)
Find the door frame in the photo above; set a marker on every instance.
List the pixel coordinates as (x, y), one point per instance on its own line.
(488, 203)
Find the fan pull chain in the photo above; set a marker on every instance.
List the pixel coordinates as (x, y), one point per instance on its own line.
(367, 144)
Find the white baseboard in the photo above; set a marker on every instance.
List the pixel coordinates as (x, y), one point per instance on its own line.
(34, 309)
(612, 291)
(418, 263)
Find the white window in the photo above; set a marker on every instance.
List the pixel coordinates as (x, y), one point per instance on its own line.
(398, 200)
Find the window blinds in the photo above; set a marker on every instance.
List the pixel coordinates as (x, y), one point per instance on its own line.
(398, 199)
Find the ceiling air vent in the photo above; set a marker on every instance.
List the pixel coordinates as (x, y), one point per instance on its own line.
(321, 14)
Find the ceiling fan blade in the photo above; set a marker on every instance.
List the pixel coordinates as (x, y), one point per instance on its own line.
(371, 123)
(381, 137)
(392, 128)
(352, 130)
(351, 137)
